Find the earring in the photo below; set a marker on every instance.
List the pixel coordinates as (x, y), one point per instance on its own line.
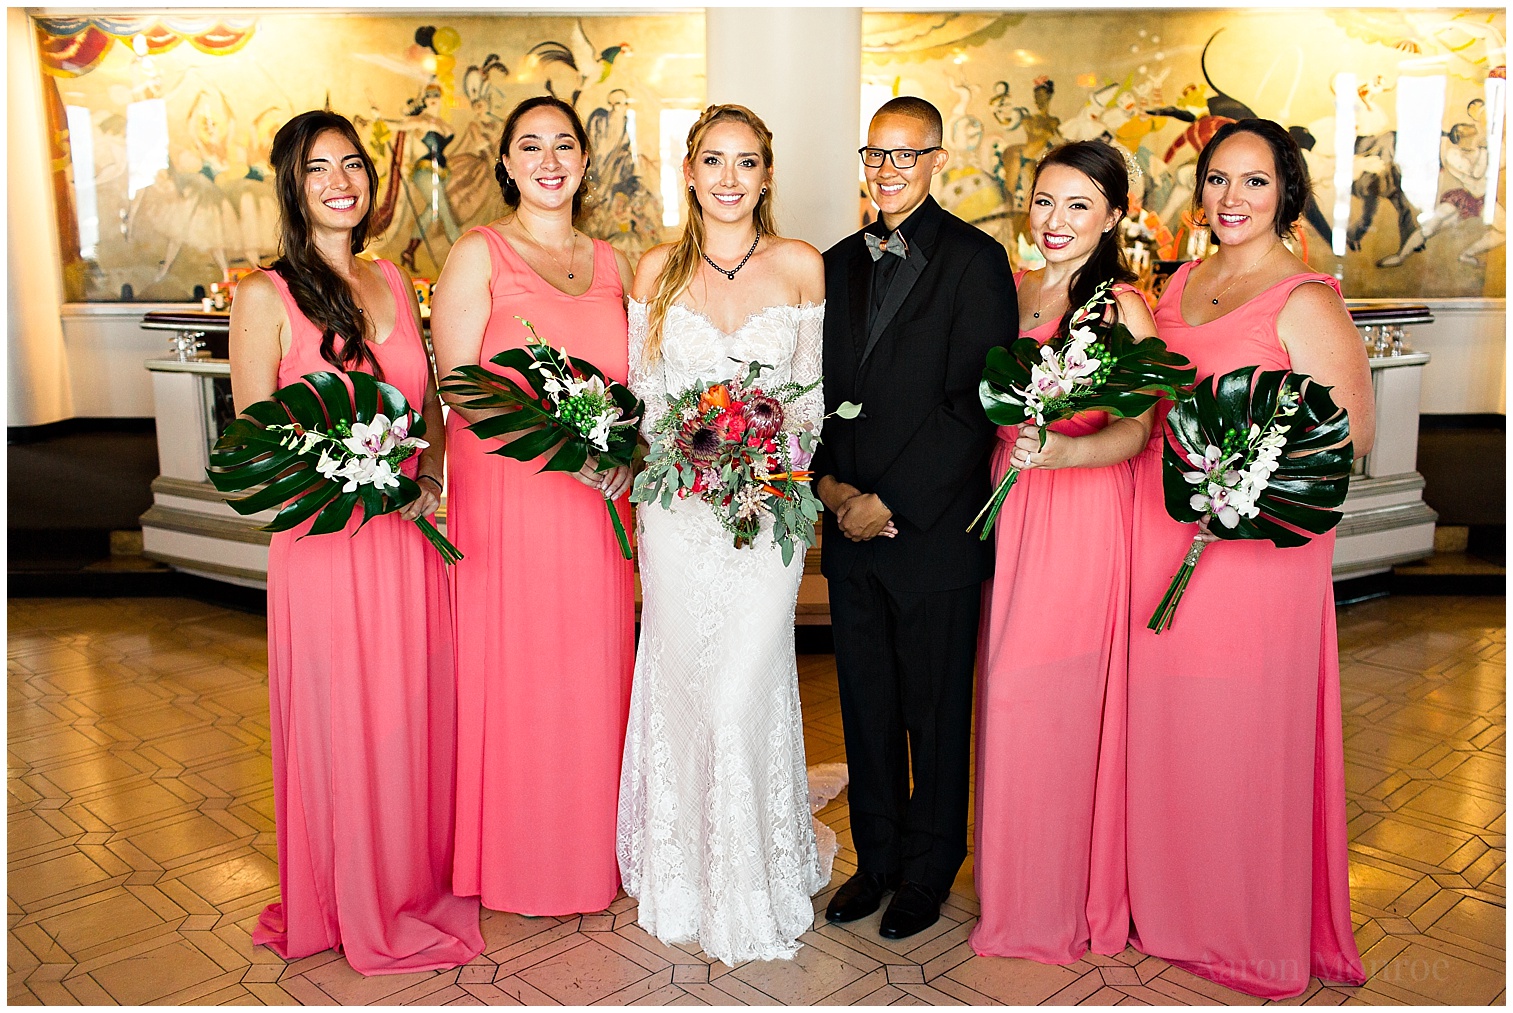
(690, 188)
(764, 189)
(1200, 218)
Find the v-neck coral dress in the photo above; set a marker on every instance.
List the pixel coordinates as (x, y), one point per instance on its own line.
(545, 619)
(363, 718)
(1237, 845)
(1048, 859)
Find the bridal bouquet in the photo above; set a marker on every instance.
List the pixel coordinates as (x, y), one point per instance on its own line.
(725, 443)
(1099, 366)
(320, 451)
(569, 403)
(1253, 459)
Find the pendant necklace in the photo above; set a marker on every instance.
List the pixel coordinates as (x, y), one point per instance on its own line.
(730, 274)
(1246, 273)
(572, 252)
(1039, 300)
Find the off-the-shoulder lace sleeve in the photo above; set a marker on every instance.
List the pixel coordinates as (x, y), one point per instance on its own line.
(807, 362)
(647, 381)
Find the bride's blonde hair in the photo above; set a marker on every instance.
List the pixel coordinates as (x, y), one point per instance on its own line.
(683, 262)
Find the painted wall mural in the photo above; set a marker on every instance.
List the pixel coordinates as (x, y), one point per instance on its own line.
(161, 128)
(1414, 99)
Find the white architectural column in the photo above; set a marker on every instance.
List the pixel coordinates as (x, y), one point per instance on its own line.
(799, 68)
(37, 389)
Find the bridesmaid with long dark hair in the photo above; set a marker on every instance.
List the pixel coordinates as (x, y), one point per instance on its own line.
(545, 601)
(1238, 867)
(1049, 861)
(361, 699)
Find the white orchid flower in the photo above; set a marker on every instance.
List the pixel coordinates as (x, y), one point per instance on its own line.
(327, 466)
(371, 439)
(358, 471)
(384, 476)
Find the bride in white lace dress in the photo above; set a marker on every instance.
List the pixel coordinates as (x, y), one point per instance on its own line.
(715, 840)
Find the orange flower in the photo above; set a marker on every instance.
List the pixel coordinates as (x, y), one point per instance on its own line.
(717, 396)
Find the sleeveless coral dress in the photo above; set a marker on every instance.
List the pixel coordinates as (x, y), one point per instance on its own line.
(1237, 844)
(363, 713)
(1048, 859)
(545, 619)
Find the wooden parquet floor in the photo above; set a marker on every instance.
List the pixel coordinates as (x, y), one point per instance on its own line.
(141, 841)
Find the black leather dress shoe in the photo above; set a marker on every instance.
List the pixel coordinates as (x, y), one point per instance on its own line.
(915, 908)
(859, 896)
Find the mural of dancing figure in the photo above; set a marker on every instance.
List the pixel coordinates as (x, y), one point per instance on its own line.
(414, 189)
(1465, 162)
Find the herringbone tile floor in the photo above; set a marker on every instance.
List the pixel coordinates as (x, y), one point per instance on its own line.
(141, 840)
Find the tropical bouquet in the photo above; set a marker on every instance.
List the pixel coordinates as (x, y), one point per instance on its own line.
(320, 450)
(1253, 457)
(1098, 366)
(724, 442)
(568, 402)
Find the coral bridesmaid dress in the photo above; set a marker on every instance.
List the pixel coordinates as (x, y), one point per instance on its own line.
(1237, 845)
(1049, 853)
(545, 618)
(363, 712)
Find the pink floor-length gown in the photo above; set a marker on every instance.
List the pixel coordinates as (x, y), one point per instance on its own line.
(1049, 854)
(1237, 844)
(363, 712)
(545, 616)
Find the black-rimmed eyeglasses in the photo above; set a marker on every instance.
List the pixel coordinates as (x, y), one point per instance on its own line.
(903, 158)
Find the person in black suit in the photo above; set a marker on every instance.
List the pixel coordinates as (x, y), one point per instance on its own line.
(915, 302)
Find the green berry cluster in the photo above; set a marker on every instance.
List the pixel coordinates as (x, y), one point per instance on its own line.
(582, 411)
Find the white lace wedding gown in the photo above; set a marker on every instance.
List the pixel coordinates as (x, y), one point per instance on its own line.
(715, 839)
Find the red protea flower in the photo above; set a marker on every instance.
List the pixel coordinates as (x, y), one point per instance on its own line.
(701, 443)
(765, 416)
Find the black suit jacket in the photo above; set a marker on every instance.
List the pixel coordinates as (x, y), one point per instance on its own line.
(922, 440)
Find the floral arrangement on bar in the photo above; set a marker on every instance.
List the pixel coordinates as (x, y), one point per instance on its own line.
(559, 402)
(1253, 458)
(319, 450)
(725, 443)
(1098, 366)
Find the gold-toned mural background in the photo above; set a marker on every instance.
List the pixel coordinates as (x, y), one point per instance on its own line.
(201, 97)
(1010, 85)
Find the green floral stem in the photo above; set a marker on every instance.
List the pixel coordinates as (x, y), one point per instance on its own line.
(1000, 494)
(1166, 611)
(449, 552)
(614, 516)
(994, 505)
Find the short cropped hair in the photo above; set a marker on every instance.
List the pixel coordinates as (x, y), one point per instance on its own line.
(915, 108)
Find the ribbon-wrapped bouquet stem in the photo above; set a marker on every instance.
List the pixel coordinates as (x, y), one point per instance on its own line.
(1269, 459)
(1098, 366)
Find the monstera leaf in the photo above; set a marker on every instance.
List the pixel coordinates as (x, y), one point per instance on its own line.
(1054, 381)
(542, 404)
(274, 448)
(1253, 457)
(1312, 474)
